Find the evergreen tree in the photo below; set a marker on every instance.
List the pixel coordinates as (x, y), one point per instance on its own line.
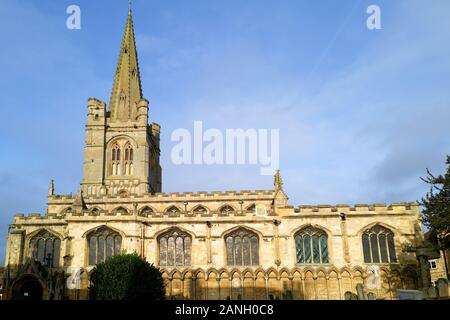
(126, 277)
(436, 207)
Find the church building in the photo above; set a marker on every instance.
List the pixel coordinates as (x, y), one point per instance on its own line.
(208, 245)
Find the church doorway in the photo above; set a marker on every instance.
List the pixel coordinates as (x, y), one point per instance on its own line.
(27, 288)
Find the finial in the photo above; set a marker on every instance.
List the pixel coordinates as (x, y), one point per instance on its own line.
(51, 188)
(278, 182)
(129, 6)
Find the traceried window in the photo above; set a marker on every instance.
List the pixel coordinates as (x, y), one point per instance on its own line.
(311, 246)
(45, 248)
(128, 164)
(115, 160)
(146, 211)
(122, 155)
(173, 210)
(226, 209)
(200, 210)
(174, 248)
(378, 245)
(242, 248)
(103, 244)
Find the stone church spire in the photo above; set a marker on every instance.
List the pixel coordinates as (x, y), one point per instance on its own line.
(127, 91)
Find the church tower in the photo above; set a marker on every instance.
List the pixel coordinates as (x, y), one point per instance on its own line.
(122, 151)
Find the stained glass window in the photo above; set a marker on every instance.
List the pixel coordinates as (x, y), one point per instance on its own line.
(103, 244)
(175, 248)
(311, 246)
(242, 247)
(378, 245)
(45, 248)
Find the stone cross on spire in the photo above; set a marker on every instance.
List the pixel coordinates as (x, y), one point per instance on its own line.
(127, 90)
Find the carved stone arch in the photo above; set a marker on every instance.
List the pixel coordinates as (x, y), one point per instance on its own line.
(273, 271)
(346, 270)
(187, 273)
(87, 233)
(321, 270)
(260, 272)
(235, 228)
(285, 273)
(223, 273)
(251, 207)
(28, 278)
(327, 231)
(331, 270)
(200, 209)
(122, 210)
(175, 272)
(357, 269)
(234, 272)
(42, 230)
(379, 229)
(213, 271)
(174, 228)
(310, 270)
(146, 211)
(173, 209)
(297, 272)
(44, 245)
(248, 271)
(369, 226)
(199, 273)
(227, 209)
(310, 232)
(245, 241)
(66, 210)
(125, 139)
(95, 210)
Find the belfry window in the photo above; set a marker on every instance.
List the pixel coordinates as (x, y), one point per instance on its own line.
(242, 248)
(103, 243)
(128, 160)
(378, 245)
(174, 248)
(115, 161)
(45, 248)
(122, 154)
(311, 246)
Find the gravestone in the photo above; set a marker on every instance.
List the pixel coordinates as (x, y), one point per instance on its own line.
(360, 292)
(442, 287)
(410, 295)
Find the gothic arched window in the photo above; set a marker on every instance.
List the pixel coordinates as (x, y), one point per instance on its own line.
(200, 210)
(128, 164)
(146, 211)
(174, 248)
(45, 248)
(115, 160)
(242, 248)
(173, 209)
(251, 208)
(378, 245)
(103, 243)
(311, 246)
(226, 209)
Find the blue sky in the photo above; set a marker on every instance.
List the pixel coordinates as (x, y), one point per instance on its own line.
(361, 113)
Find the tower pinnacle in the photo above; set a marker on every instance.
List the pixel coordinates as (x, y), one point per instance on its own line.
(127, 90)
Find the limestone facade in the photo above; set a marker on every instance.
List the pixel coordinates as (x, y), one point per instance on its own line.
(121, 196)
